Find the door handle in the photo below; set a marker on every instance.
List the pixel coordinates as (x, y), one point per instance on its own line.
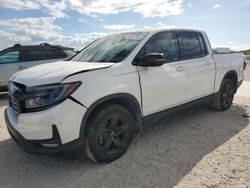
(208, 63)
(181, 68)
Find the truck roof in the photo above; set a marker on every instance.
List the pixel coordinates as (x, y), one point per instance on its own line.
(153, 30)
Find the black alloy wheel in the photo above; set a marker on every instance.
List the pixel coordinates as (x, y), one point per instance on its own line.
(113, 135)
(227, 95)
(110, 133)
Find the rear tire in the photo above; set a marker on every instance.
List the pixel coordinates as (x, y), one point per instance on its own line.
(109, 133)
(225, 96)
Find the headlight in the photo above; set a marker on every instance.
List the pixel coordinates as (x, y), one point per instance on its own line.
(42, 97)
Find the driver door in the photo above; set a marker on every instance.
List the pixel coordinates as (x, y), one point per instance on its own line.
(164, 86)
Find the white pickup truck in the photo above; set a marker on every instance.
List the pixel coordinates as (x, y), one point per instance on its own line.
(95, 102)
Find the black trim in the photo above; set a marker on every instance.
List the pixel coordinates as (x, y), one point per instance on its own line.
(229, 72)
(179, 46)
(162, 114)
(134, 62)
(36, 147)
(3, 88)
(139, 76)
(235, 73)
(25, 47)
(137, 116)
(76, 101)
(240, 83)
(198, 34)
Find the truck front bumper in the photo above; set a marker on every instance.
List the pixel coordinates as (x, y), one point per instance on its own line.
(46, 135)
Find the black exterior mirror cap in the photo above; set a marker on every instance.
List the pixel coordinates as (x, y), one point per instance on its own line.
(153, 60)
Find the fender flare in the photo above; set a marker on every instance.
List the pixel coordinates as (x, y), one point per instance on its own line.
(126, 96)
(226, 75)
(230, 72)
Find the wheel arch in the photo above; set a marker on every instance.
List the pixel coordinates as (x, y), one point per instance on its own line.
(232, 75)
(124, 99)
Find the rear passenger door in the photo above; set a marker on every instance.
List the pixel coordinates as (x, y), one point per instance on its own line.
(200, 64)
(163, 86)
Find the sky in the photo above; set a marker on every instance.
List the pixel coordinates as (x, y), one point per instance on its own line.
(75, 23)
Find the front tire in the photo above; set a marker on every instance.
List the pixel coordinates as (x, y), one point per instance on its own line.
(224, 98)
(109, 134)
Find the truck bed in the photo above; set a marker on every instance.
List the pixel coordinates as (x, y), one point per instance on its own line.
(226, 62)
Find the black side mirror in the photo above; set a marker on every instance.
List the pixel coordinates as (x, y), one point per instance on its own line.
(153, 60)
(150, 60)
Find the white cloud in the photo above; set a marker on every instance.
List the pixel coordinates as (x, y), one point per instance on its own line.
(82, 20)
(190, 5)
(38, 30)
(21, 23)
(9, 39)
(54, 8)
(216, 6)
(160, 24)
(81, 40)
(19, 4)
(32, 29)
(118, 27)
(148, 8)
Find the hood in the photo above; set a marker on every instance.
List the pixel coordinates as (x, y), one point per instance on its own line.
(54, 72)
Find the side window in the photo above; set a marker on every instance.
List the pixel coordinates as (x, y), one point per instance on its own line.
(190, 45)
(9, 57)
(203, 47)
(55, 54)
(166, 43)
(23, 55)
(36, 55)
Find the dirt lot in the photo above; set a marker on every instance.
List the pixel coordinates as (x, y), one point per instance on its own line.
(195, 148)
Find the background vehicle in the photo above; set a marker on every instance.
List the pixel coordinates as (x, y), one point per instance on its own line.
(98, 100)
(247, 57)
(20, 57)
(246, 60)
(222, 50)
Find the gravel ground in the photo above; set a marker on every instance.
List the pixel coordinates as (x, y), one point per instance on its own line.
(194, 148)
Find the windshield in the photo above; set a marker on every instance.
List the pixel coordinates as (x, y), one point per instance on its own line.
(113, 48)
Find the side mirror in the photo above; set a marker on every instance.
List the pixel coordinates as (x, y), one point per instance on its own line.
(153, 60)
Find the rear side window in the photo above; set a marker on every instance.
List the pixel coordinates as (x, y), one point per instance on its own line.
(203, 47)
(164, 42)
(191, 45)
(9, 57)
(36, 55)
(55, 54)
